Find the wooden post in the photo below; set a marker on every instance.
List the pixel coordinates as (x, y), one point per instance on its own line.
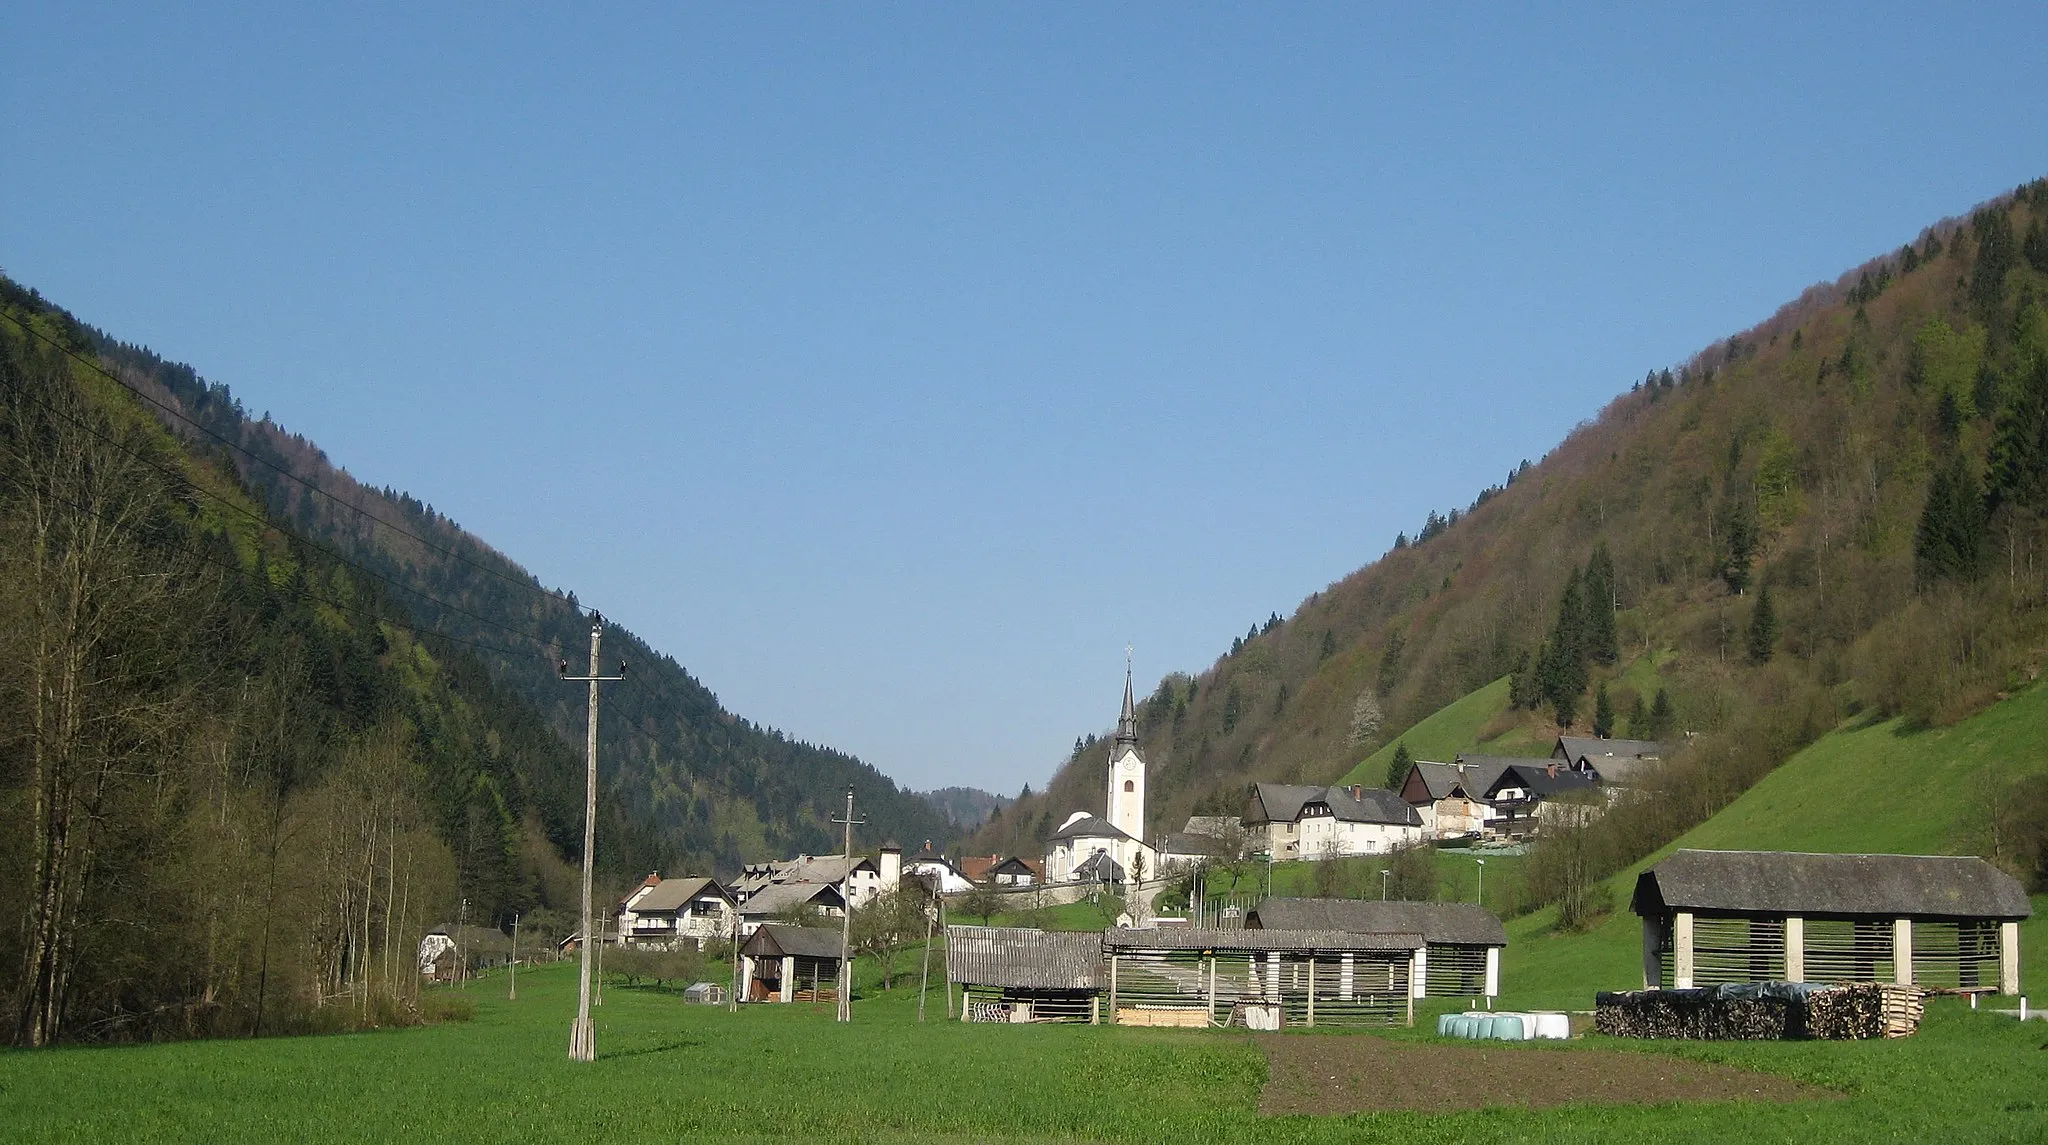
(1094, 1009)
(1212, 989)
(1412, 994)
(1902, 951)
(1112, 988)
(1653, 965)
(1492, 974)
(2008, 958)
(1795, 949)
(1311, 991)
(1681, 950)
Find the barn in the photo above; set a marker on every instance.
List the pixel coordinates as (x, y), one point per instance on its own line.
(1015, 974)
(1262, 979)
(1460, 956)
(1713, 917)
(781, 963)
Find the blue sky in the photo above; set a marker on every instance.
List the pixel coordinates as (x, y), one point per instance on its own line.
(893, 367)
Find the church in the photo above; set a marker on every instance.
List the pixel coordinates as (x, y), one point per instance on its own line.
(1110, 847)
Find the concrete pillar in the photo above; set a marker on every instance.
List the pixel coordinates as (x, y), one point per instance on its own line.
(1795, 949)
(1653, 968)
(2008, 958)
(1902, 951)
(1681, 950)
(1311, 991)
(1493, 971)
(1418, 971)
(1212, 989)
(1347, 976)
(746, 976)
(1112, 989)
(789, 977)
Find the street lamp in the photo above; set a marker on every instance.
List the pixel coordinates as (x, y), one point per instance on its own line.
(1384, 873)
(1482, 881)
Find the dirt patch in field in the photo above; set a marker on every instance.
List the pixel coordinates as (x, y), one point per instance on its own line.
(1363, 1074)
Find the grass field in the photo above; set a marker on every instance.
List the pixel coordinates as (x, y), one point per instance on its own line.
(667, 1071)
(1440, 736)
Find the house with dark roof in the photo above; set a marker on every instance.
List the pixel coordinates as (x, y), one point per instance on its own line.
(1712, 917)
(790, 964)
(1611, 762)
(1449, 800)
(1002, 871)
(1306, 822)
(783, 899)
(664, 912)
(1460, 955)
(1013, 974)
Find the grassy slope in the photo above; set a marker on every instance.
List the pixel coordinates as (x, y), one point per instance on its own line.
(1453, 728)
(1865, 787)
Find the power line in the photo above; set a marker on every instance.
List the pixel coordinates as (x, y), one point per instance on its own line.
(279, 469)
(266, 522)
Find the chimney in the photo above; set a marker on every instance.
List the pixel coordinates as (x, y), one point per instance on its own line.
(1553, 771)
(1358, 791)
(892, 865)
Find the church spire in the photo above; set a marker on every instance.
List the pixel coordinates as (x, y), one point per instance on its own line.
(1127, 723)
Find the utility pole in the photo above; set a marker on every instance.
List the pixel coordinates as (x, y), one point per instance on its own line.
(846, 920)
(514, 996)
(1482, 881)
(582, 1038)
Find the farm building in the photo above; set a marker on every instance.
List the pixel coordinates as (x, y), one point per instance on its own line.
(664, 912)
(1712, 917)
(1012, 974)
(1460, 956)
(1186, 976)
(790, 964)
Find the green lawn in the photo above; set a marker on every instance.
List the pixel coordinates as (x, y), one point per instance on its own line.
(1440, 736)
(668, 1071)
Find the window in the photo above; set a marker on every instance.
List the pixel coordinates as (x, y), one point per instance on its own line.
(1130, 786)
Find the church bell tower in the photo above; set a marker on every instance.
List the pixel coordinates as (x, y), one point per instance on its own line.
(1126, 804)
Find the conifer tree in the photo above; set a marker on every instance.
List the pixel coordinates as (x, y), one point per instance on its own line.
(1763, 629)
(1949, 543)
(1600, 639)
(1637, 726)
(1397, 768)
(1603, 713)
(1662, 718)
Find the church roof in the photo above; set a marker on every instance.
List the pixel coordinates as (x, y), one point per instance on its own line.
(1127, 722)
(1085, 826)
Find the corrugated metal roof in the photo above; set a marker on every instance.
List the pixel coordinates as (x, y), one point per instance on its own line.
(1456, 923)
(1798, 883)
(775, 940)
(778, 897)
(1021, 958)
(1123, 939)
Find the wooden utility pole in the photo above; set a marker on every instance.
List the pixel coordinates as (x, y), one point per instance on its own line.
(514, 995)
(582, 1038)
(846, 921)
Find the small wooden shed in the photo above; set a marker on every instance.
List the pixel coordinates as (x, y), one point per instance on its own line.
(1190, 976)
(1712, 917)
(781, 963)
(1460, 956)
(1015, 974)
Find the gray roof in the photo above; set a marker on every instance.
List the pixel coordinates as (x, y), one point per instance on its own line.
(1576, 748)
(1090, 827)
(1024, 959)
(1452, 923)
(778, 897)
(1438, 779)
(1283, 803)
(1216, 825)
(1099, 867)
(1480, 772)
(1121, 939)
(673, 894)
(774, 941)
(1186, 843)
(1795, 883)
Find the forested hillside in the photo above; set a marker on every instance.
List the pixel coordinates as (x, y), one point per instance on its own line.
(1836, 510)
(261, 726)
(720, 789)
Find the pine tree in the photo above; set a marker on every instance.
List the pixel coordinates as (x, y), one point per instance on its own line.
(1763, 629)
(1949, 542)
(1601, 642)
(1662, 718)
(2018, 470)
(1329, 645)
(1397, 768)
(1741, 545)
(1603, 713)
(1636, 717)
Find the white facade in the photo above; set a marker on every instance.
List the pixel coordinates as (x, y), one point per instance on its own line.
(1126, 800)
(1120, 833)
(1324, 836)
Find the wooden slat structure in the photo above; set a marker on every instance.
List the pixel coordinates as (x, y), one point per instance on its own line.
(1462, 941)
(1260, 978)
(1718, 917)
(1016, 974)
(790, 964)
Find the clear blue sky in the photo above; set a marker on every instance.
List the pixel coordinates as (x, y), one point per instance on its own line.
(894, 367)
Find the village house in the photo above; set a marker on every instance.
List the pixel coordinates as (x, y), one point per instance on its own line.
(1713, 917)
(1002, 871)
(1462, 943)
(1614, 763)
(1487, 796)
(936, 871)
(856, 879)
(1448, 800)
(1298, 822)
(668, 912)
(790, 900)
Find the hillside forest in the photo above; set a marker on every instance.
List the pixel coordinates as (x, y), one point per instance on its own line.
(1836, 514)
(263, 726)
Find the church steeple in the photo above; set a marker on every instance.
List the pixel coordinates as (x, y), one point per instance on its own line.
(1127, 723)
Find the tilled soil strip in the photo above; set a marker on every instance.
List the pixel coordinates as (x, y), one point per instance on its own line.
(1364, 1074)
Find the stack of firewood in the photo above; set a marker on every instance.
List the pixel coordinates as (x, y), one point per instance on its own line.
(1833, 1012)
(1872, 1011)
(1672, 1014)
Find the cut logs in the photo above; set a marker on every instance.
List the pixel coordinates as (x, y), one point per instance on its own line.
(1762, 1011)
